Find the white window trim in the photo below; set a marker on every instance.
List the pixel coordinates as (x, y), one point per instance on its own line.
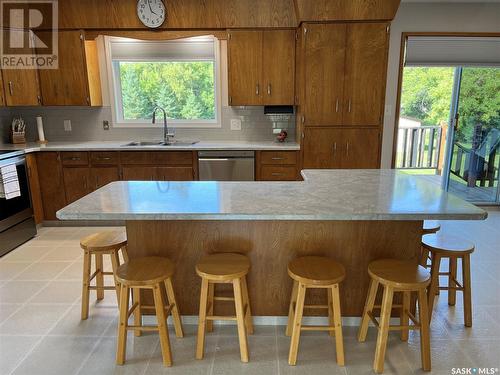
(116, 105)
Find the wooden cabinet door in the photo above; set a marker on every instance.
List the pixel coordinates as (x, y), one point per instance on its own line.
(76, 182)
(35, 191)
(365, 78)
(138, 173)
(101, 176)
(324, 59)
(51, 183)
(67, 85)
(21, 87)
(360, 149)
(174, 174)
(245, 68)
(278, 67)
(2, 96)
(321, 148)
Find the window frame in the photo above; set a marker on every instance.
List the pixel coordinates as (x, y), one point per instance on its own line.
(116, 97)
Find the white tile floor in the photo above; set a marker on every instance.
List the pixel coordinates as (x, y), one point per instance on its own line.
(41, 331)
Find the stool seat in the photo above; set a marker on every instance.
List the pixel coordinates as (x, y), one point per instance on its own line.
(399, 274)
(223, 266)
(447, 244)
(431, 226)
(145, 271)
(315, 270)
(104, 241)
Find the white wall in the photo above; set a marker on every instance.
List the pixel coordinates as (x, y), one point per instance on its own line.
(429, 17)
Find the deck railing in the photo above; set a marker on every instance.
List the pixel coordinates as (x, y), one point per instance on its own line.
(420, 147)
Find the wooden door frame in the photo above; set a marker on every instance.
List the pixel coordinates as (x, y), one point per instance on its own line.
(404, 38)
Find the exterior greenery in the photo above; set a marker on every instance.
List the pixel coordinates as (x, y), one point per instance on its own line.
(186, 89)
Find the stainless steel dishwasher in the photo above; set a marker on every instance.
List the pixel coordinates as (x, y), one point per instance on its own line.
(226, 165)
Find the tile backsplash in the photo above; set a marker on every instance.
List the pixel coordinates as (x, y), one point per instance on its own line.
(87, 125)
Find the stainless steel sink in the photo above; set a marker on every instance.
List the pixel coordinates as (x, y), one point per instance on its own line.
(160, 143)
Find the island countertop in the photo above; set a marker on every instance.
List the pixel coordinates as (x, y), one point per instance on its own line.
(323, 195)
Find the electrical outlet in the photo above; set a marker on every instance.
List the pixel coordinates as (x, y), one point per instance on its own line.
(67, 125)
(235, 124)
(276, 131)
(105, 125)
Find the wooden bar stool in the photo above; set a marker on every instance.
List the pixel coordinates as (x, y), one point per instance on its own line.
(224, 268)
(99, 244)
(440, 246)
(153, 273)
(397, 276)
(312, 272)
(430, 227)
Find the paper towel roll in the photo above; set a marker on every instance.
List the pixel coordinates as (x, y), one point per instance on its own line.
(39, 126)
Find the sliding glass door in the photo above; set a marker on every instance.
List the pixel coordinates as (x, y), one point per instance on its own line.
(474, 152)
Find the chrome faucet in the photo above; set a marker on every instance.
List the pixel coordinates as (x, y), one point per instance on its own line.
(166, 134)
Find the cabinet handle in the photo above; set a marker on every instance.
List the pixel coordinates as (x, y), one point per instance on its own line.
(257, 89)
(269, 89)
(103, 158)
(277, 158)
(337, 106)
(11, 88)
(277, 174)
(334, 147)
(350, 102)
(74, 158)
(347, 148)
(96, 182)
(85, 183)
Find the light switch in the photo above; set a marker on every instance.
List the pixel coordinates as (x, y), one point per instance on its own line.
(235, 124)
(67, 125)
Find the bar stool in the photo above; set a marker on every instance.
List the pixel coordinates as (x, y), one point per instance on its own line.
(312, 272)
(452, 248)
(99, 244)
(430, 227)
(154, 273)
(224, 268)
(397, 276)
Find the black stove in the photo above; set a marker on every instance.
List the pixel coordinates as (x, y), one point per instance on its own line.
(4, 154)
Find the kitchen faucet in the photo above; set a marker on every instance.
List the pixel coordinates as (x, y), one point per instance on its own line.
(166, 134)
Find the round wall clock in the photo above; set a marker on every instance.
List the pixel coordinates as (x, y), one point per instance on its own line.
(152, 13)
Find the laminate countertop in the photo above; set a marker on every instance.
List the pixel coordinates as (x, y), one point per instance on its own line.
(120, 146)
(323, 195)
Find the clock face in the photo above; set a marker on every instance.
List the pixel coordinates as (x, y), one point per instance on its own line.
(152, 13)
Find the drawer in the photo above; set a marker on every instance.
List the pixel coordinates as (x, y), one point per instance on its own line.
(278, 157)
(278, 173)
(157, 158)
(75, 158)
(104, 158)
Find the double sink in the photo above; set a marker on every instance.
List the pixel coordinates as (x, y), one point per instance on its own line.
(159, 143)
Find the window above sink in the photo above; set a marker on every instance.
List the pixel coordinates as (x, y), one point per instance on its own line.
(183, 76)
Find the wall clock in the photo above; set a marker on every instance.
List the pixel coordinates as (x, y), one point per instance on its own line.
(152, 13)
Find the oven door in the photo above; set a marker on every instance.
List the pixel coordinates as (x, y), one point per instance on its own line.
(15, 210)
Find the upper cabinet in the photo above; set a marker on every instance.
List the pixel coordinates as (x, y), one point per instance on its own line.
(76, 82)
(342, 71)
(261, 67)
(21, 87)
(2, 98)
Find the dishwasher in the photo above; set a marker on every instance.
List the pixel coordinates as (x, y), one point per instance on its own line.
(226, 165)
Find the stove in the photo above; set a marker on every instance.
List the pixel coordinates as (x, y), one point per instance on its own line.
(4, 154)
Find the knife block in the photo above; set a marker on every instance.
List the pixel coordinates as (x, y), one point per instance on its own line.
(18, 137)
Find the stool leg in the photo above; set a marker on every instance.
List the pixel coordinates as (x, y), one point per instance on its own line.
(297, 324)
(125, 254)
(424, 257)
(385, 316)
(331, 322)
(122, 325)
(434, 286)
(211, 295)
(200, 344)
(467, 290)
(85, 285)
(240, 319)
(175, 309)
(246, 304)
(115, 263)
(291, 309)
(425, 343)
(452, 292)
(337, 321)
(370, 302)
(162, 326)
(136, 295)
(404, 318)
(99, 278)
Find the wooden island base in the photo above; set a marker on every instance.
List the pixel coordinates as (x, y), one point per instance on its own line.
(270, 245)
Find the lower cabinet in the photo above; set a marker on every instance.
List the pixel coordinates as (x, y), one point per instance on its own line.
(76, 182)
(334, 148)
(101, 176)
(277, 166)
(138, 173)
(131, 173)
(51, 181)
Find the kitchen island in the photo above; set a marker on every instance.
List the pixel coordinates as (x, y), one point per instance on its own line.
(352, 216)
